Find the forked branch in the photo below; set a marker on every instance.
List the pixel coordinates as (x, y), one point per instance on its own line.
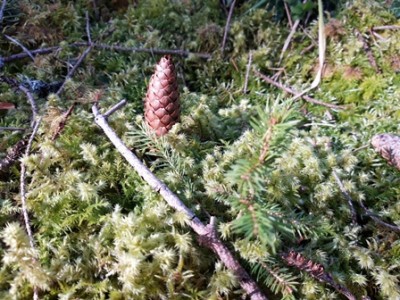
(206, 233)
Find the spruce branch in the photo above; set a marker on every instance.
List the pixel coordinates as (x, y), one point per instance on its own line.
(315, 270)
(206, 233)
(227, 26)
(23, 198)
(293, 92)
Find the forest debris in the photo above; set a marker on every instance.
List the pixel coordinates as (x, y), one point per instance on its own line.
(6, 105)
(293, 92)
(315, 270)
(388, 146)
(63, 122)
(161, 105)
(13, 155)
(227, 26)
(368, 51)
(212, 241)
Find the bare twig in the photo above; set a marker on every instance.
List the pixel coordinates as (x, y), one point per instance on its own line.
(12, 129)
(113, 109)
(316, 271)
(209, 239)
(12, 155)
(63, 122)
(386, 27)
(346, 196)
(89, 36)
(287, 10)
(368, 51)
(227, 26)
(288, 39)
(118, 48)
(377, 220)
(3, 6)
(248, 68)
(367, 211)
(293, 92)
(23, 198)
(22, 46)
(72, 71)
(31, 100)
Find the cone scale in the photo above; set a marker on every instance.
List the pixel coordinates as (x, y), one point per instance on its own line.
(161, 105)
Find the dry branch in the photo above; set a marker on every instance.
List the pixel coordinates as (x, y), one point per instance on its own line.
(368, 51)
(3, 6)
(206, 233)
(227, 26)
(316, 271)
(293, 92)
(117, 48)
(347, 197)
(23, 198)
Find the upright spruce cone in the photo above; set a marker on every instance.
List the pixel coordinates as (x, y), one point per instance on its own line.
(161, 106)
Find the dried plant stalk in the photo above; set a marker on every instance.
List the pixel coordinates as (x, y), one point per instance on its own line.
(162, 107)
(388, 145)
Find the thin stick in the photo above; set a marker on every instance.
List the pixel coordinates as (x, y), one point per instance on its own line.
(31, 100)
(248, 68)
(3, 6)
(287, 10)
(12, 129)
(347, 197)
(205, 233)
(315, 270)
(227, 26)
(288, 39)
(367, 211)
(23, 198)
(72, 71)
(377, 220)
(118, 48)
(293, 92)
(386, 27)
(113, 109)
(22, 46)
(368, 51)
(88, 28)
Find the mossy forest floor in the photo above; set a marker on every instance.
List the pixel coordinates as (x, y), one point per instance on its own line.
(300, 196)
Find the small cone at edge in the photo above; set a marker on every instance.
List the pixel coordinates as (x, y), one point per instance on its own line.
(161, 105)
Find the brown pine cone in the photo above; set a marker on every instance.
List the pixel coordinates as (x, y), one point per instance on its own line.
(161, 106)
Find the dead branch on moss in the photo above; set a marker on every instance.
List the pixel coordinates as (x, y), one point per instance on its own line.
(63, 122)
(293, 92)
(15, 41)
(73, 69)
(23, 199)
(368, 51)
(12, 129)
(248, 68)
(288, 39)
(315, 270)
(13, 155)
(206, 233)
(386, 27)
(3, 6)
(366, 210)
(100, 46)
(227, 26)
(15, 84)
(347, 197)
